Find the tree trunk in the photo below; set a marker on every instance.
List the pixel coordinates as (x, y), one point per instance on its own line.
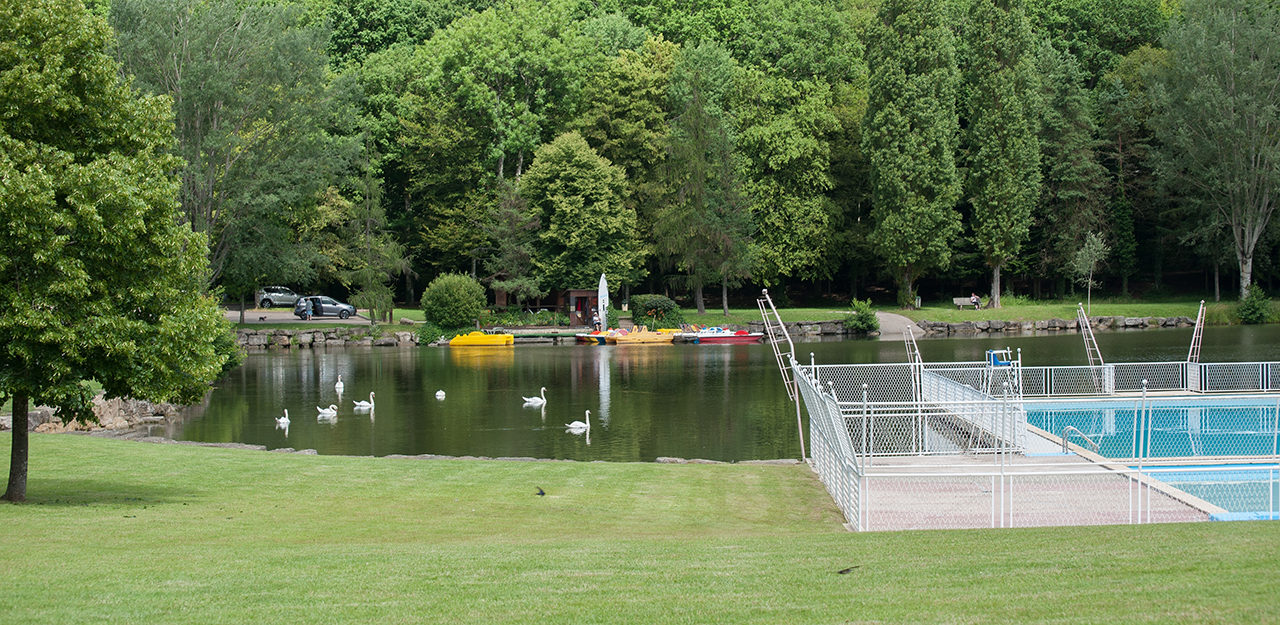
(724, 297)
(242, 307)
(995, 287)
(1217, 293)
(906, 298)
(1246, 276)
(697, 300)
(17, 490)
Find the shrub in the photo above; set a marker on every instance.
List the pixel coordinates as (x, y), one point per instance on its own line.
(453, 300)
(655, 311)
(1256, 308)
(862, 319)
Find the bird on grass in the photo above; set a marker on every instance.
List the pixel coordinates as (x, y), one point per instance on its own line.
(536, 400)
(540, 492)
(364, 405)
(578, 427)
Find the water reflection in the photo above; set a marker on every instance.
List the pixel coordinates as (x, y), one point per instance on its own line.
(721, 402)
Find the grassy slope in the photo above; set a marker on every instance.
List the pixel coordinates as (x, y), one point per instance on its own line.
(944, 311)
(159, 533)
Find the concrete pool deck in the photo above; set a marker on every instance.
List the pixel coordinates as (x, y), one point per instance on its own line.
(977, 491)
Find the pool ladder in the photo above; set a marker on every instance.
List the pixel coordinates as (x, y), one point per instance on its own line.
(1071, 428)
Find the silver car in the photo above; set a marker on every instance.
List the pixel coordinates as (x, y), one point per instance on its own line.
(322, 306)
(276, 296)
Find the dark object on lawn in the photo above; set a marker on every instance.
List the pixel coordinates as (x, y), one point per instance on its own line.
(849, 570)
(262, 318)
(541, 492)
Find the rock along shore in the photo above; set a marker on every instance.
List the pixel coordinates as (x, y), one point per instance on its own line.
(326, 337)
(1052, 325)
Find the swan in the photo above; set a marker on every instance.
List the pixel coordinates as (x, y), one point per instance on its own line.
(338, 387)
(578, 427)
(365, 405)
(327, 413)
(536, 401)
(283, 421)
(440, 395)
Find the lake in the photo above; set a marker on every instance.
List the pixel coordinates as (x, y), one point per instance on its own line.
(718, 402)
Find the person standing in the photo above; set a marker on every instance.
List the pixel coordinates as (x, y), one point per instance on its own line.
(307, 309)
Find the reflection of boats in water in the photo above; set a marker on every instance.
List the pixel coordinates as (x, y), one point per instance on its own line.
(596, 337)
(481, 357)
(717, 335)
(480, 339)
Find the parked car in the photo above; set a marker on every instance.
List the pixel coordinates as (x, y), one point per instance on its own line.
(322, 306)
(276, 296)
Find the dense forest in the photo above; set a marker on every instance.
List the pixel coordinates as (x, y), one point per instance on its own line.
(858, 148)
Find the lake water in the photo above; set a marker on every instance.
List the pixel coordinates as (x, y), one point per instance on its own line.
(719, 402)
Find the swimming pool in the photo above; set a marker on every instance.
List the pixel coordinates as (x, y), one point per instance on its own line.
(1165, 427)
(1158, 435)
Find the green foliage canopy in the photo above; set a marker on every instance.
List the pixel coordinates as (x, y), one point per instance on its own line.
(98, 278)
(452, 300)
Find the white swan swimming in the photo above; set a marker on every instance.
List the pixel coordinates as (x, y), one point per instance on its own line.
(283, 421)
(440, 395)
(578, 427)
(339, 386)
(535, 401)
(327, 413)
(365, 405)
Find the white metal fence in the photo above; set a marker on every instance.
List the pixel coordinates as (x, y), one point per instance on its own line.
(1049, 494)
(969, 466)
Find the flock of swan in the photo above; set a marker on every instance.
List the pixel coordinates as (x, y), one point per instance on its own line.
(330, 414)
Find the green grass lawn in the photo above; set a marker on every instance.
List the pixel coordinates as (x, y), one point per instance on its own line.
(1035, 310)
(134, 532)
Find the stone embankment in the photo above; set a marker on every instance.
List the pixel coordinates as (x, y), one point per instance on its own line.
(327, 337)
(112, 414)
(800, 328)
(1053, 325)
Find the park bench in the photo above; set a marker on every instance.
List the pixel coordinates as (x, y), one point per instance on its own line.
(961, 302)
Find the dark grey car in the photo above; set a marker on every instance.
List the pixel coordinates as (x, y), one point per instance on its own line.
(322, 306)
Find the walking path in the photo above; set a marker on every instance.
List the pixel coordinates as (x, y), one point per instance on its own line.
(893, 326)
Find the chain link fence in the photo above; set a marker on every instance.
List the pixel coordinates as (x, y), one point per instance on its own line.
(948, 445)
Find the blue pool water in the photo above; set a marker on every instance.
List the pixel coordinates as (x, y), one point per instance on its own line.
(1166, 427)
(1184, 427)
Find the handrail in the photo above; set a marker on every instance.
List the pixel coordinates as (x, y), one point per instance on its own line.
(1072, 428)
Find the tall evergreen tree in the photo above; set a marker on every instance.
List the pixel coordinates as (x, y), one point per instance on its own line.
(1074, 182)
(911, 137)
(1003, 151)
(702, 227)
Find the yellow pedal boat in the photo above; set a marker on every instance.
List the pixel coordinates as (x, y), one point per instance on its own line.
(633, 338)
(483, 340)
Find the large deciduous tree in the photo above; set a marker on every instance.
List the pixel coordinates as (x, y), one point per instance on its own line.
(911, 134)
(1218, 117)
(99, 280)
(587, 230)
(1002, 149)
(263, 127)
